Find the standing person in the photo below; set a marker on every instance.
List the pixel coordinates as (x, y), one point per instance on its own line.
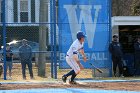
(72, 58)
(117, 55)
(25, 54)
(1, 68)
(1, 71)
(137, 56)
(9, 63)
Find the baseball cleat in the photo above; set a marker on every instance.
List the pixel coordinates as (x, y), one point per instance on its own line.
(64, 78)
(73, 82)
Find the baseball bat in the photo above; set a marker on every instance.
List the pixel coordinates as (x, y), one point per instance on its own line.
(99, 70)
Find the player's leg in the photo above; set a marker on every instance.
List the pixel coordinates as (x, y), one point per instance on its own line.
(1, 70)
(74, 66)
(114, 65)
(30, 70)
(10, 70)
(71, 81)
(69, 73)
(76, 71)
(139, 68)
(6, 68)
(23, 64)
(136, 67)
(120, 67)
(64, 77)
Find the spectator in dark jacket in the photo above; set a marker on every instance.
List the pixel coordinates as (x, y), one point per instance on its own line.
(117, 55)
(9, 59)
(137, 56)
(25, 54)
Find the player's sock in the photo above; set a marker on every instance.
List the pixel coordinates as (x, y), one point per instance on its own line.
(70, 73)
(73, 76)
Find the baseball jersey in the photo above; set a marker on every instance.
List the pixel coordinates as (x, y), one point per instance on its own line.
(75, 48)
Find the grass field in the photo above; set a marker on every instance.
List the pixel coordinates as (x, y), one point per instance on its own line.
(17, 75)
(85, 74)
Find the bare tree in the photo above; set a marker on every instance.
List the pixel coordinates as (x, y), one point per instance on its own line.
(125, 7)
(43, 17)
(135, 9)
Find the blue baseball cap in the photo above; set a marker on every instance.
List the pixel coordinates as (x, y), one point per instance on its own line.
(80, 35)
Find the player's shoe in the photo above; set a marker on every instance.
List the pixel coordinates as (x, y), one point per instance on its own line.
(115, 75)
(24, 78)
(121, 75)
(32, 78)
(64, 78)
(72, 82)
(9, 78)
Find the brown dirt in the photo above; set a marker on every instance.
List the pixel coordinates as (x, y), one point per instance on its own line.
(131, 86)
(87, 73)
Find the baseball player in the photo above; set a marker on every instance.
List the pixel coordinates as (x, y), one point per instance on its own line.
(72, 58)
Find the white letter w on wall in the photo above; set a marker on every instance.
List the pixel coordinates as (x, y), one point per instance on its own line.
(85, 17)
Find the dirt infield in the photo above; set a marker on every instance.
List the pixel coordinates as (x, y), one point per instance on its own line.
(130, 86)
(17, 76)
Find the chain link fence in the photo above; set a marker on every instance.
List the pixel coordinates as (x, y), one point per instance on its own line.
(35, 21)
(30, 20)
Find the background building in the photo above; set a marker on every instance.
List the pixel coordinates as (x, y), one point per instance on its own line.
(21, 12)
(22, 17)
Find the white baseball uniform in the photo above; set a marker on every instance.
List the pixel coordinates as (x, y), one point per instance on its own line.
(74, 50)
